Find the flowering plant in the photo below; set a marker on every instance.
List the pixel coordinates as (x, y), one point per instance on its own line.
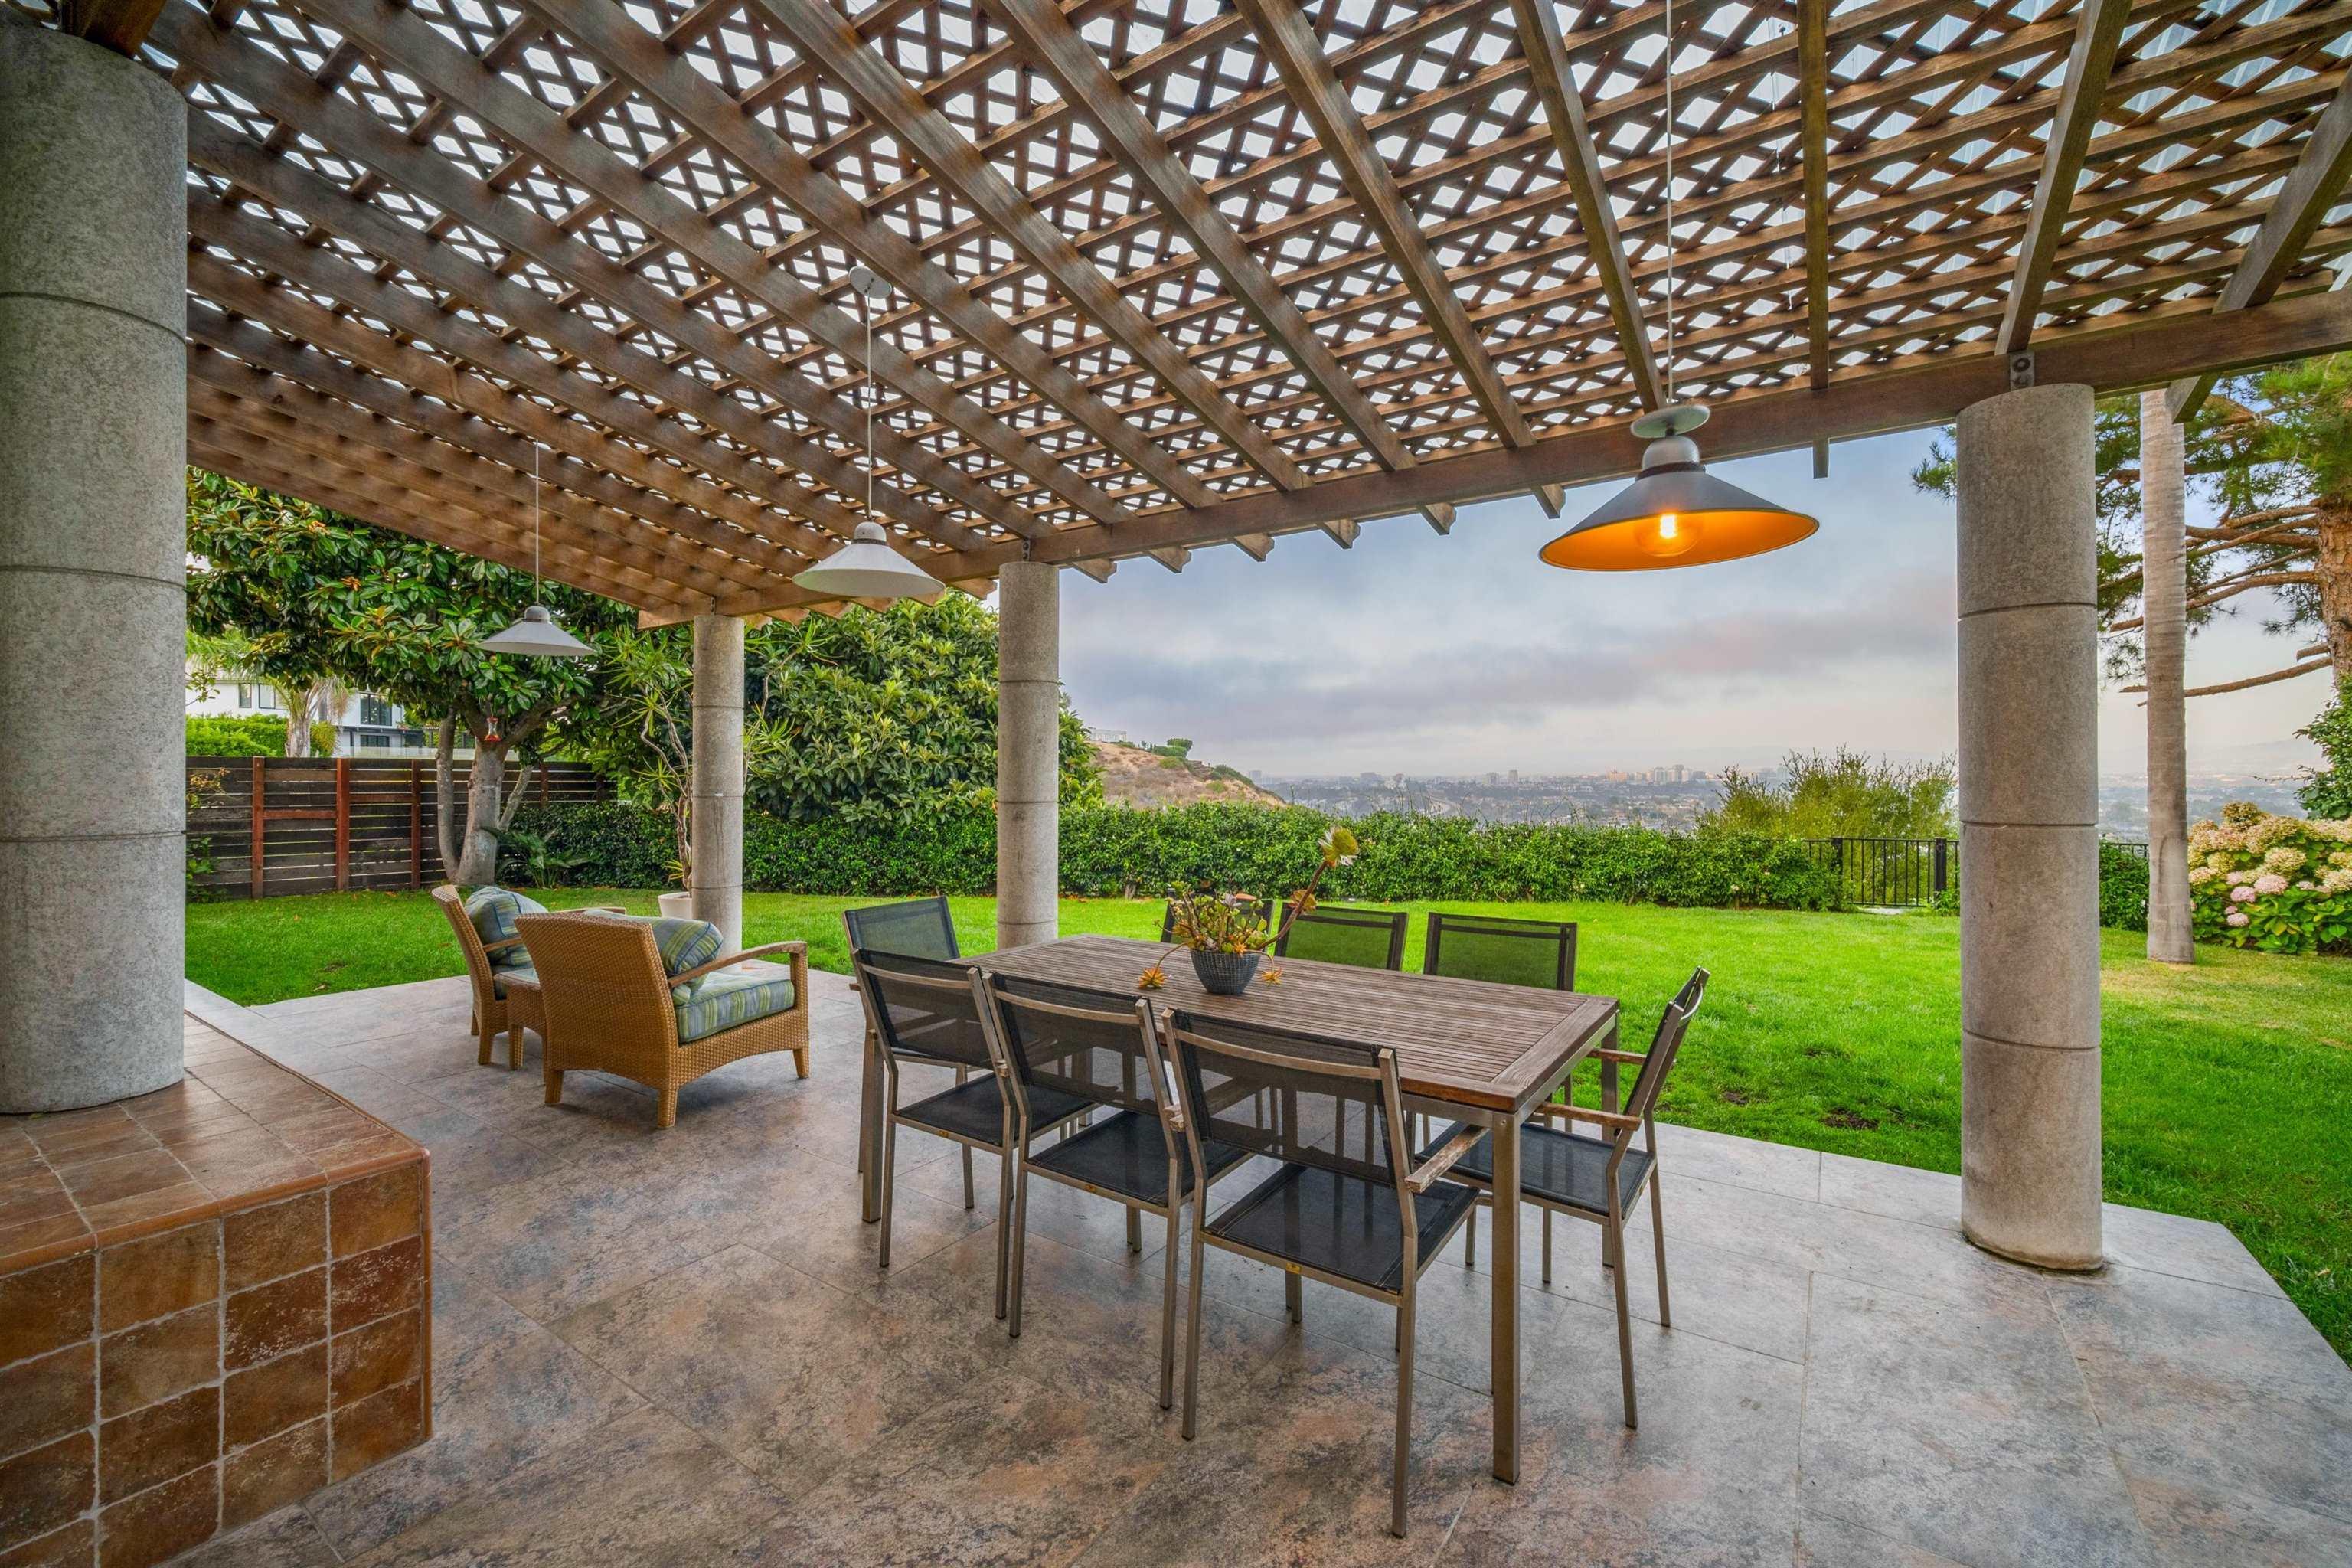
(2281, 884)
(1209, 921)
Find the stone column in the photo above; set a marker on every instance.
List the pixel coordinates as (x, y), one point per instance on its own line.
(93, 539)
(2028, 812)
(717, 831)
(1028, 753)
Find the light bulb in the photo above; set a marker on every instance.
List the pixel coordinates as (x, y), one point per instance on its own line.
(1668, 535)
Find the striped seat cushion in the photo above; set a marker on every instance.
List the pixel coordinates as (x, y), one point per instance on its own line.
(727, 998)
(523, 972)
(493, 910)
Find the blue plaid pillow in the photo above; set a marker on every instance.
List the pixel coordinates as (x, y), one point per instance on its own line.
(493, 910)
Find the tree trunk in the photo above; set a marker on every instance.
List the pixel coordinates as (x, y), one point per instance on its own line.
(477, 862)
(445, 797)
(2332, 563)
(2164, 608)
(298, 719)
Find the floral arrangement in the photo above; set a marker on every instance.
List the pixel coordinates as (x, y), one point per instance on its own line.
(2281, 884)
(1207, 922)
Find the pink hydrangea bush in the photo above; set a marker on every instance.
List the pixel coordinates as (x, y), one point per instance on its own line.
(2281, 884)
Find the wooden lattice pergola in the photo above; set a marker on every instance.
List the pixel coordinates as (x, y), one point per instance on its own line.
(1169, 273)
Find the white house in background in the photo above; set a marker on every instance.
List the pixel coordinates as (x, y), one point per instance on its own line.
(367, 727)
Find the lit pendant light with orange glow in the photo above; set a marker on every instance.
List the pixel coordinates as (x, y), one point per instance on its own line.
(1675, 513)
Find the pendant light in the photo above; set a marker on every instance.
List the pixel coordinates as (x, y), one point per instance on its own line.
(536, 635)
(1675, 513)
(867, 567)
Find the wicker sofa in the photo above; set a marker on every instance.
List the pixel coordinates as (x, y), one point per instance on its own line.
(614, 1005)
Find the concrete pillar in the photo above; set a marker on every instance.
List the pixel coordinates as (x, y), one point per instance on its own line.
(717, 831)
(2029, 813)
(1028, 753)
(93, 536)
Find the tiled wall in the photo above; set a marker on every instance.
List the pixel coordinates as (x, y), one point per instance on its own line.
(156, 1391)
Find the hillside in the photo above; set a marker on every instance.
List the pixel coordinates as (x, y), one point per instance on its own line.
(1133, 776)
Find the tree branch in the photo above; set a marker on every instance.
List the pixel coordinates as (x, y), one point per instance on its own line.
(2304, 668)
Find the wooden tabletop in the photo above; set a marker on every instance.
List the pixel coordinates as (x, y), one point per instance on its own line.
(1473, 1042)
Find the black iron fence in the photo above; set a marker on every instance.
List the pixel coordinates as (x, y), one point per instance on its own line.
(1900, 873)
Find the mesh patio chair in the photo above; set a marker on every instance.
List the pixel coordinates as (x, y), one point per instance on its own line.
(1513, 952)
(932, 1012)
(613, 1005)
(1368, 939)
(1597, 1177)
(1348, 1204)
(916, 928)
(1101, 1048)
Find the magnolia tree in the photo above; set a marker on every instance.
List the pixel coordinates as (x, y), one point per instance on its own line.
(299, 588)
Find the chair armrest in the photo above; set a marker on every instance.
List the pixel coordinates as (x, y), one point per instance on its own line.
(1464, 1140)
(1636, 1058)
(502, 943)
(1602, 1117)
(598, 910)
(799, 950)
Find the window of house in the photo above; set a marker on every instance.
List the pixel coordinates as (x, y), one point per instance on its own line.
(244, 695)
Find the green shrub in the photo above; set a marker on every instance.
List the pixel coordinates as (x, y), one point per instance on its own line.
(2123, 887)
(2281, 884)
(260, 736)
(1108, 851)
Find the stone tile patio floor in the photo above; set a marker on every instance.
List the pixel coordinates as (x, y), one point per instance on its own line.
(675, 1348)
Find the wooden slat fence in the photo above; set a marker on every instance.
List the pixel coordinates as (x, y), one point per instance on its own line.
(332, 823)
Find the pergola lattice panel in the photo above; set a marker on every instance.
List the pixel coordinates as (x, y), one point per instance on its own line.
(1165, 273)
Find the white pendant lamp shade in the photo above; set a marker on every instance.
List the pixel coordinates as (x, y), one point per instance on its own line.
(867, 568)
(536, 635)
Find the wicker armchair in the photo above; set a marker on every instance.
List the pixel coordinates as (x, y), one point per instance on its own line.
(498, 1008)
(609, 1008)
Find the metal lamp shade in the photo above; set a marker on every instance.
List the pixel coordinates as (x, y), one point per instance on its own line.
(1676, 514)
(867, 568)
(536, 635)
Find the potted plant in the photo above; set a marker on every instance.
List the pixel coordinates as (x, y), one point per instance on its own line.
(1228, 934)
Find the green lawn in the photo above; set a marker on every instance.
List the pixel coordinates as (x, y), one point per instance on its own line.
(2227, 1086)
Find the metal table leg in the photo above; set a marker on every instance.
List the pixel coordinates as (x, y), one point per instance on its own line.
(1503, 1370)
(869, 1122)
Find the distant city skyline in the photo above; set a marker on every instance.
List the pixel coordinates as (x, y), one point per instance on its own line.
(1462, 655)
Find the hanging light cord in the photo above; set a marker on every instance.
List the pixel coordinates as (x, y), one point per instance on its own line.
(538, 589)
(1669, 201)
(867, 301)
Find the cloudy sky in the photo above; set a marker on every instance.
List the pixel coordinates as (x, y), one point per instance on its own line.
(1418, 654)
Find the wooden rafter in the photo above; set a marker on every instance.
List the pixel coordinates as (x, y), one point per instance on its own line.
(444, 239)
(1291, 48)
(888, 98)
(2314, 186)
(2098, 34)
(1547, 53)
(117, 25)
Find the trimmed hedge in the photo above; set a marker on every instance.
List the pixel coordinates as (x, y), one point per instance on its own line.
(1112, 850)
(2123, 887)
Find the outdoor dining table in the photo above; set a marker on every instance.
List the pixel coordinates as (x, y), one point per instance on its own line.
(1468, 1050)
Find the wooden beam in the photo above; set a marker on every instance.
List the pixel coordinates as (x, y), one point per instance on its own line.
(1547, 53)
(2097, 36)
(632, 52)
(231, 450)
(464, 410)
(119, 25)
(2312, 186)
(889, 100)
(375, 229)
(1256, 546)
(2110, 357)
(341, 433)
(1289, 44)
(1045, 33)
(264, 244)
(1813, 89)
(359, 134)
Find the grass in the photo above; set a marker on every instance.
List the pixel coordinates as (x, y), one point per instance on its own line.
(2225, 1085)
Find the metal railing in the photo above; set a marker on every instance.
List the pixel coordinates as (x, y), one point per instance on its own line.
(1900, 873)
